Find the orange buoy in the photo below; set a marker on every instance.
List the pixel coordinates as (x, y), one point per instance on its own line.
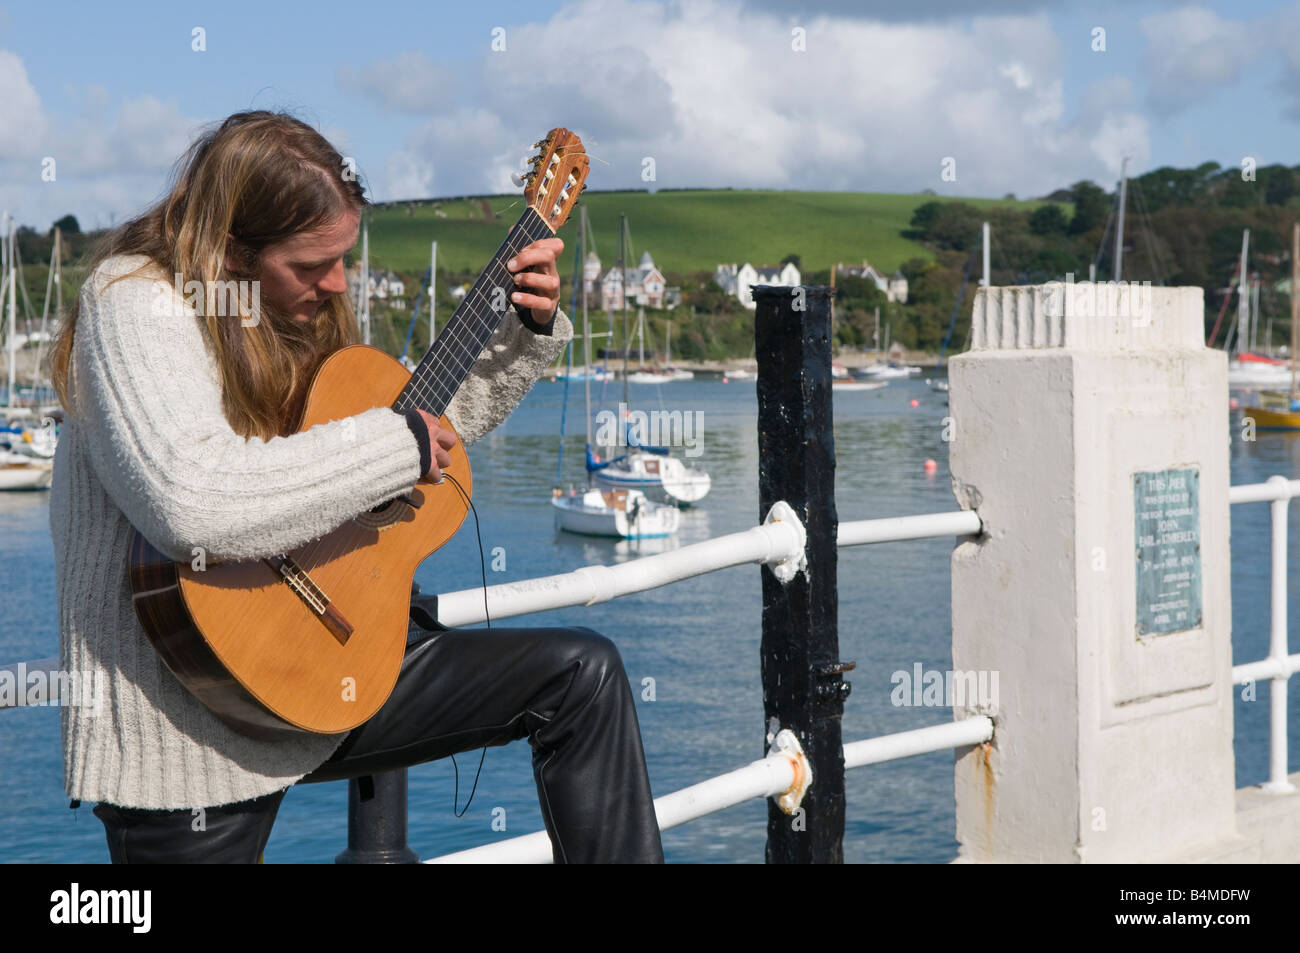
(915, 402)
(931, 466)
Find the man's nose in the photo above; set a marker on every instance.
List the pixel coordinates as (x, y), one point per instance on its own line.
(336, 282)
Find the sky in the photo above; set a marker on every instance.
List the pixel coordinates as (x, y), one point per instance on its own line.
(97, 101)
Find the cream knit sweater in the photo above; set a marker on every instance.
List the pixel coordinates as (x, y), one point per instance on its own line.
(147, 445)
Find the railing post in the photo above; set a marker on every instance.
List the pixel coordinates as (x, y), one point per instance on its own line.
(802, 685)
(377, 823)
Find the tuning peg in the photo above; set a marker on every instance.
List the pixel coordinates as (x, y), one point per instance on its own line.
(518, 179)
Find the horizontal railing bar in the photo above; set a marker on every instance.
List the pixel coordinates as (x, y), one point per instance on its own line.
(905, 744)
(766, 544)
(893, 529)
(1265, 668)
(762, 544)
(1263, 492)
(766, 777)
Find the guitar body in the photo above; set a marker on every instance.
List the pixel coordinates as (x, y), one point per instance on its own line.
(314, 644)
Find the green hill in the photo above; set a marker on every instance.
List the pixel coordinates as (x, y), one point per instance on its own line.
(685, 231)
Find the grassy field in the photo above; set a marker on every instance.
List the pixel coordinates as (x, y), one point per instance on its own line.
(684, 231)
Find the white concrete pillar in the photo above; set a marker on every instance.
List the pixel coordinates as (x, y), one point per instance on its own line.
(1090, 433)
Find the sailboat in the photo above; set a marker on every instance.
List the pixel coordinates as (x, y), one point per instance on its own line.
(658, 375)
(1281, 410)
(623, 513)
(651, 470)
(675, 373)
(643, 374)
(18, 471)
(1248, 369)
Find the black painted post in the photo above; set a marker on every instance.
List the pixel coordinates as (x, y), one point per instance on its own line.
(377, 824)
(803, 687)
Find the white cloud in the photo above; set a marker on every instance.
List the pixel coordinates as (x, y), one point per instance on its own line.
(714, 92)
(108, 162)
(1192, 51)
(22, 121)
(408, 82)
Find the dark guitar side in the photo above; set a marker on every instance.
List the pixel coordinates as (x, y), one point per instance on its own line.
(161, 610)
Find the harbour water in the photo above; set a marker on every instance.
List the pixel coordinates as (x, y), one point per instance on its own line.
(697, 640)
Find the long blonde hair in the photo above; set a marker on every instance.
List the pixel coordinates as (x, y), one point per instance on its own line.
(260, 177)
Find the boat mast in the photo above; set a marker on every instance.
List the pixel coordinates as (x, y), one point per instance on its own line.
(13, 305)
(1295, 301)
(363, 313)
(622, 292)
(1119, 228)
(45, 310)
(985, 280)
(586, 327)
(433, 281)
(1254, 319)
(1243, 296)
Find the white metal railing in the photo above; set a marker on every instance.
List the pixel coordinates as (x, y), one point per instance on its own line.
(779, 542)
(766, 777)
(1279, 666)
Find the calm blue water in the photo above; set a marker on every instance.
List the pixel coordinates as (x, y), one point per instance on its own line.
(698, 640)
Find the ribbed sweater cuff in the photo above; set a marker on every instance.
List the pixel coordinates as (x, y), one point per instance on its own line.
(526, 319)
(421, 432)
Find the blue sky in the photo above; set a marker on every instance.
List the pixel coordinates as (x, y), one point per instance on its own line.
(713, 90)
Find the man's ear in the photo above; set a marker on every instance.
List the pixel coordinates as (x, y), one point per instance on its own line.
(239, 260)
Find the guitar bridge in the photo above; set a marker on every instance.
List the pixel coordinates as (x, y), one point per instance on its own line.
(311, 594)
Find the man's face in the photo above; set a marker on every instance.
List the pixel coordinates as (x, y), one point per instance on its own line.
(300, 273)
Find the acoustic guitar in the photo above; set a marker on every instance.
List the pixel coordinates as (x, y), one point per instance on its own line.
(313, 640)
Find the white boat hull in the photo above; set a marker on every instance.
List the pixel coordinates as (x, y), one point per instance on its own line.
(662, 479)
(837, 386)
(615, 514)
(1258, 374)
(27, 475)
(886, 372)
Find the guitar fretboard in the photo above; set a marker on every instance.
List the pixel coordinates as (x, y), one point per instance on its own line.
(437, 377)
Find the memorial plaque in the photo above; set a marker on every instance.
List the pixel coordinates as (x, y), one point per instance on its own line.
(1167, 518)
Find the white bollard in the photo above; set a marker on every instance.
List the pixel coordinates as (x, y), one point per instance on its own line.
(1090, 433)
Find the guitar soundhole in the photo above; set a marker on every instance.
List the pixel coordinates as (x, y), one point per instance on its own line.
(397, 510)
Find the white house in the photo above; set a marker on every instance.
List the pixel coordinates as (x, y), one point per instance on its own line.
(894, 287)
(736, 280)
(644, 286)
(385, 287)
(590, 272)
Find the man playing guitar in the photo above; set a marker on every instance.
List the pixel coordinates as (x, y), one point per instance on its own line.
(181, 426)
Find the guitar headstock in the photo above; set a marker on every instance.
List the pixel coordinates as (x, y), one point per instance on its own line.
(557, 175)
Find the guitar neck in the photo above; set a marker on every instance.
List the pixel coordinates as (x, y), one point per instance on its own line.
(439, 374)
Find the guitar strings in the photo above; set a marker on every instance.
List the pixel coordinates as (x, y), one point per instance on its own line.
(430, 378)
(436, 361)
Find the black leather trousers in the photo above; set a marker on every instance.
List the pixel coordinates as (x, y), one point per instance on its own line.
(565, 690)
